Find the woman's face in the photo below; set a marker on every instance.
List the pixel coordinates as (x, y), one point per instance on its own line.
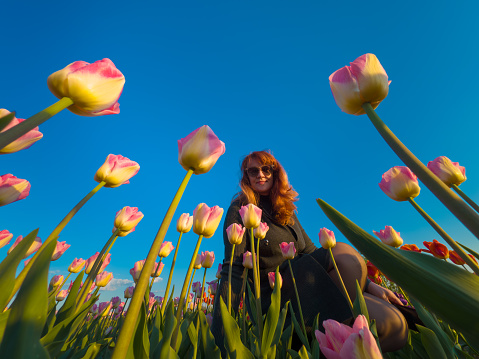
(261, 181)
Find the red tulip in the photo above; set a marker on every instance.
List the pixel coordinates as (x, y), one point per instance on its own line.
(411, 247)
(437, 249)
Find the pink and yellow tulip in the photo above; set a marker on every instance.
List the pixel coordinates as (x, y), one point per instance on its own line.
(251, 215)
(206, 219)
(449, 172)
(389, 236)
(116, 170)
(13, 189)
(400, 184)
(60, 248)
(23, 142)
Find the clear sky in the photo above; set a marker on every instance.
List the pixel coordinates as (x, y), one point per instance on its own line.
(257, 74)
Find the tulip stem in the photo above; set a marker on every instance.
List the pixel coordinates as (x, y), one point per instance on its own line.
(200, 305)
(461, 210)
(189, 286)
(230, 270)
(465, 197)
(183, 293)
(259, 315)
(126, 333)
(170, 276)
(30, 123)
(244, 305)
(343, 287)
(297, 298)
(155, 275)
(53, 236)
(446, 237)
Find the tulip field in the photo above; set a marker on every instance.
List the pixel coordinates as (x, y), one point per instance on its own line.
(64, 318)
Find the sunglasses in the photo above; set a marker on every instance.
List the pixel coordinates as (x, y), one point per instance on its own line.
(254, 171)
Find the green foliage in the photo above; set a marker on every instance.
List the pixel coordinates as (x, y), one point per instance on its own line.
(359, 305)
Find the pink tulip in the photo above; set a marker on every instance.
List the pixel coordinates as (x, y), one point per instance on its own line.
(13, 189)
(129, 292)
(90, 261)
(390, 237)
(103, 279)
(127, 218)
(59, 250)
(364, 81)
(327, 238)
(136, 270)
(23, 142)
(5, 237)
(251, 215)
(248, 260)
(206, 219)
(61, 295)
(56, 281)
(400, 183)
(198, 260)
(37, 243)
(94, 88)
(260, 231)
(196, 287)
(184, 223)
(272, 279)
(235, 233)
(213, 287)
(115, 302)
(343, 342)
(200, 150)
(105, 263)
(165, 250)
(77, 265)
(207, 259)
(104, 308)
(218, 272)
(94, 309)
(156, 273)
(116, 170)
(288, 250)
(449, 172)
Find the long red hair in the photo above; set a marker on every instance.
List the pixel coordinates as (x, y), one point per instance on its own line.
(282, 193)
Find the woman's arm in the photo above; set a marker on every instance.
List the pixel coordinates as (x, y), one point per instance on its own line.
(309, 246)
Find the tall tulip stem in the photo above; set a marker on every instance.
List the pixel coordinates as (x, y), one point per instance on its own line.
(257, 290)
(229, 278)
(343, 287)
(297, 298)
(128, 327)
(170, 276)
(30, 123)
(446, 237)
(459, 208)
(465, 197)
(53, 236)
(156, 272)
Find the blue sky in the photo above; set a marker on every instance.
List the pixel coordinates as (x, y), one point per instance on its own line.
(257, 74)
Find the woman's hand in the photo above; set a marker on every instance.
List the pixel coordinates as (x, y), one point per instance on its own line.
(383, 293)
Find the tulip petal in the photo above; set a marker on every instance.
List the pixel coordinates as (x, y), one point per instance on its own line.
(345, 90)
(372, 79)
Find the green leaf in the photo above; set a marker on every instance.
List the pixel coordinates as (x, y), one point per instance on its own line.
(69, 305)
(8, 267)
(140, 345)
(5, 120)
(233, 344)
(3, 322)
(303, 353)
(297, 327)
(475, 254)
(280, 326)
(418, 347)
(431, 343)
(315, 353)
(28, 312)
(359, 305)
(446, 290)
(208, 348)
(272, 316)
(164, 350)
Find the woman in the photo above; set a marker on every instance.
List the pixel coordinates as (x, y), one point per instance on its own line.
(265, 184)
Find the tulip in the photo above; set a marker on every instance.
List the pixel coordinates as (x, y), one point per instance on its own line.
(129, 292)
(104, 308)
(364, 81)
(342, 341)
(272, 279)
(5, 237)
(23, 142)
(165, 250)
(77, 265)
(116, 170)
(200, 150)
(94, 88)
(389, 236)
(248, 260)
(287, 250)
(59, 250)
(13, 189)
(184, 223)
(90, 261)
(196, 287)
(456, 259)
(198, 259)
(218, 273)
(206, 220)
(235, 233)
(61, 295)
(157, 270)
(213, 286)
(115, 302)
(327, 238)
(373, 272)
(136, 270)
(260, 231)
(449, 172)
(410, 247)
(207, 259)
(94, 309)
(103, 279)
(56, 281)
(251, 215)
(400, 183)
(37, 243)
(437, 249)
(127, 218)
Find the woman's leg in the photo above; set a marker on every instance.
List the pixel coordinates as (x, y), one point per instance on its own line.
(390, 323)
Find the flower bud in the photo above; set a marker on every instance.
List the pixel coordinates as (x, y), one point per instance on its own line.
(77, 265)
(116, 170)
(13, 189)
(5, 237)
(103, 279)
(129, 292)
(184, 223)
(389, 236)
(37, 243)
(207, 259)
(437, 249)
(248, 260)
(23, 142)
(127, 218)
(400, 184)
(60, 248)
(251, 215)
(327, 238)
(206, 220)
(449, 172)
(260, 231)
(165, 250)
(235, 233)
(272, 279)
(287, 250)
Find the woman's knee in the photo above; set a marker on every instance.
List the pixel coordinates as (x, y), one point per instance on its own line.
(347, 256)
